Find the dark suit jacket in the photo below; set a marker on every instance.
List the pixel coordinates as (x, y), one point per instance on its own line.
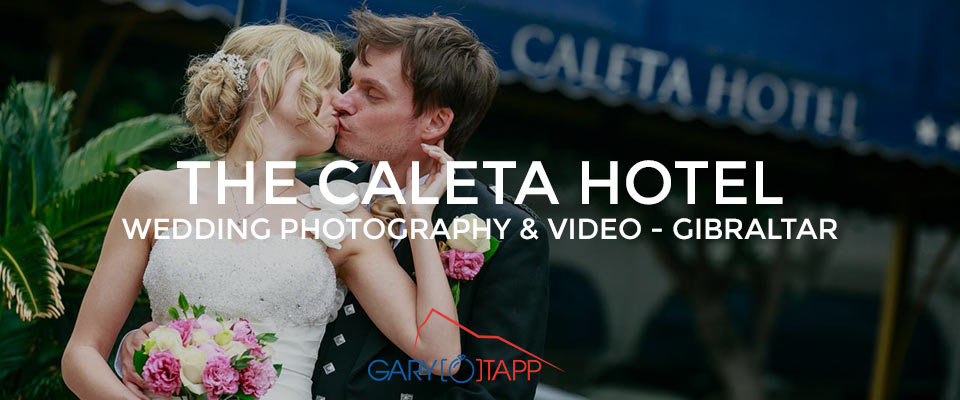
(507, 298)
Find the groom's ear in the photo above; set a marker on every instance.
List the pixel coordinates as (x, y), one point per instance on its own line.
(437, 123)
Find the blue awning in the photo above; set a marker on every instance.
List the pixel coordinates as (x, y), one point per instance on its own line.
(870, 76)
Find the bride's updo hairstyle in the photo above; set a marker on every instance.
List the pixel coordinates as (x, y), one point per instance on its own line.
(214, 102)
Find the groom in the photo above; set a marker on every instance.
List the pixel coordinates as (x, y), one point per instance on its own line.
(419, 80)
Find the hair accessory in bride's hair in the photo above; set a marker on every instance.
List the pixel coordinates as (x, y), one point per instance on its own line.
(235, 65)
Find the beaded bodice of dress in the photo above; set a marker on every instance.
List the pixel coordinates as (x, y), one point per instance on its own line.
(289, 281)
(287, 286)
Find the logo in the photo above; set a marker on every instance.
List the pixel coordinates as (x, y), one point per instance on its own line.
(480, 369)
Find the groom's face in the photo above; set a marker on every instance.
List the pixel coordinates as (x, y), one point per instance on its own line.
(376, 112)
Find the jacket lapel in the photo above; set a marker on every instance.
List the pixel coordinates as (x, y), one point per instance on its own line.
(361, 175)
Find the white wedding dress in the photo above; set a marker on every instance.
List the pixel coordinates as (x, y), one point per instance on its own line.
(281, 285)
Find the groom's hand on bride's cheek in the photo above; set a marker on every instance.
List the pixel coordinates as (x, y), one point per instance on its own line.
(131, 343)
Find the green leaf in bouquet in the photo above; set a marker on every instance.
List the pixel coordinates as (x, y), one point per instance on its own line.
(242, 361)
(455, 290)
(279, 368)
(494, 244)
(183, 304)
(173, 313)
(139, 359)
(266, 338)
(240, 364)
(242, 396)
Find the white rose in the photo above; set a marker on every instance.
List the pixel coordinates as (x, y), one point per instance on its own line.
(234, 349)
(200, 336)
(477, 238)
(338, 188)
(192, 363)
(195, 388)
(167, 339)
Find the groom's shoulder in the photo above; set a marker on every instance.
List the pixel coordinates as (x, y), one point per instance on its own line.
(487, 204)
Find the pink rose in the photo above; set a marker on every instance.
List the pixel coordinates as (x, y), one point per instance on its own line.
(211, 349)
(461, 264)
(209, 324)
(184, 326)
(256, 350)
(241, 327)
(161, 372)
(257, 378)
(248, 340)
(243, 333)
(219, 377)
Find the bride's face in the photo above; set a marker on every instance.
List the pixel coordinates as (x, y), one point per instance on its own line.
(304, 136)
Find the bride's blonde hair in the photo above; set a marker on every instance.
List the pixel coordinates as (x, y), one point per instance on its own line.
(212, 103)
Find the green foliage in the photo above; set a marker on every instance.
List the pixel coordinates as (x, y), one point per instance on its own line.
(140, 358)
(119, 143)
(33, 147)
(54, 211)
(268, 337)
(15, 338)
(494, 245)
(29, 271)
(78, 219)
(455, 291)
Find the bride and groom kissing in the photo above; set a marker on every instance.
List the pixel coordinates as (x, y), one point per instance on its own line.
(419, 87)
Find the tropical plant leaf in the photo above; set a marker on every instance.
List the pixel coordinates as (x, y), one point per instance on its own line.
(88, 207)
(46, 384)
(33, 148)
(15, 342)
(118, 143)
(29, 272)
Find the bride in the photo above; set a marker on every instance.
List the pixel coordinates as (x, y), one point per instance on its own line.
(278, 111)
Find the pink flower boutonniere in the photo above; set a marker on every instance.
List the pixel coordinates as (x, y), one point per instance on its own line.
(465, 253)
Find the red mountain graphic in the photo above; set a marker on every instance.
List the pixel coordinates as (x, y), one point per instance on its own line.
(432, 311)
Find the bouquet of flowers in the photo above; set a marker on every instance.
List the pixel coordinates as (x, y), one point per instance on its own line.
(195, 356)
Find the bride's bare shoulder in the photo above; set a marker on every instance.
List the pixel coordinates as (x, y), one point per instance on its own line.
(158, 187)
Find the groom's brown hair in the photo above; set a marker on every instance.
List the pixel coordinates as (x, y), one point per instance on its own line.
(442, 60)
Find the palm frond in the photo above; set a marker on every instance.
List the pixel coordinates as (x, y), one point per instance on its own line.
(29, 273)
(33, 148)
(78, 217)
(15, 342)
(118, 143)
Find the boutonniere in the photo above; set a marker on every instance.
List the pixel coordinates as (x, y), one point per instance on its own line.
(464, 254)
